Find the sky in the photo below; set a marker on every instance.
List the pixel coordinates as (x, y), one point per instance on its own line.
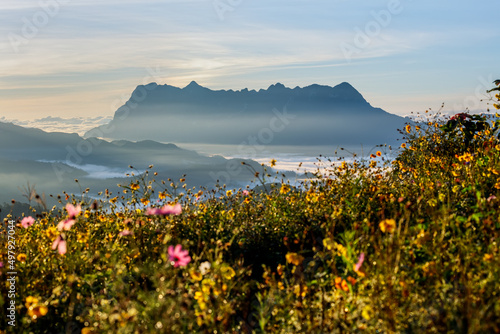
(81, 59)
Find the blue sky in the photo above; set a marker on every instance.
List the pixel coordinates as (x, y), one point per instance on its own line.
(84, 57)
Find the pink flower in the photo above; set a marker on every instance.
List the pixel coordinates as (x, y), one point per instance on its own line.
(246, 192)
(361, 259)
(1, 264)
(178, 256)
(73, 211)
(60, 244)
(66, 224)
(125, 233)
(165, 210)
(27, 221)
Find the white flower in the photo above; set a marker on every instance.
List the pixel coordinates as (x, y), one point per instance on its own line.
(205, 267)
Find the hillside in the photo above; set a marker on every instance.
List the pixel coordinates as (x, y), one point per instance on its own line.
(52, 161)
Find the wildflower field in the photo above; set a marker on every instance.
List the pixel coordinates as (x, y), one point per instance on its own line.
(375, 245)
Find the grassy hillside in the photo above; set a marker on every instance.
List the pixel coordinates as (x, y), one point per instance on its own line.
(408, 246)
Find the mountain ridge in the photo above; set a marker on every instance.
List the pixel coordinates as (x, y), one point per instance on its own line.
(317, 115)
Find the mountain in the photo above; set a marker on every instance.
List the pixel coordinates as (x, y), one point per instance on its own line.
(278, 115)
(53, 161)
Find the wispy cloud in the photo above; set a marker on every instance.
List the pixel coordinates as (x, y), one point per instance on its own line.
(57, 124)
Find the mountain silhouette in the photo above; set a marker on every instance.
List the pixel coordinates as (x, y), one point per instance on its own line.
(278, 115)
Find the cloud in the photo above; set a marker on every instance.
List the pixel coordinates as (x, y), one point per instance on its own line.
(95, 171)
(57, 124)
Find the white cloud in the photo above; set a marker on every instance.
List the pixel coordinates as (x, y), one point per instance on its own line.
(57, 124)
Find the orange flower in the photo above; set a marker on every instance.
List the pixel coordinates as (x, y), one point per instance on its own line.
(338, 282)
(341, 284)
(378, 153)
(344, 285)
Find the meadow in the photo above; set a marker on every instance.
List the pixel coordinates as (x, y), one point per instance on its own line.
(373, 245)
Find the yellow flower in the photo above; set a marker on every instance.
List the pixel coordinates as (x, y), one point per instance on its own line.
(408, 128)
(51, 232)
(88, 330)
(273, 162)
(30, 300)
(387, 225)
(206, 284)
(135, 186)
(311, 197)
(328, 243)
(403, 145)
(294, 258)
(34, 309)
(487, 257)
(367, 313)
(195, 275)
(300, 290)
(198, 295)
(144, 201)
(161, 195)
(285, 188)
(21, 257)
(229, 193)
(37, 311)
(227, 272)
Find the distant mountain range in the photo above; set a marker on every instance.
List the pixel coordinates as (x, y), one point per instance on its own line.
(313, 115)
(54, 160)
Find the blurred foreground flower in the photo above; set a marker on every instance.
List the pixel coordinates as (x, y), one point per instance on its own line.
(125, 233)
(60, 244)
(73, 211)
(27, 221)
(165, 210)
(178, 256)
